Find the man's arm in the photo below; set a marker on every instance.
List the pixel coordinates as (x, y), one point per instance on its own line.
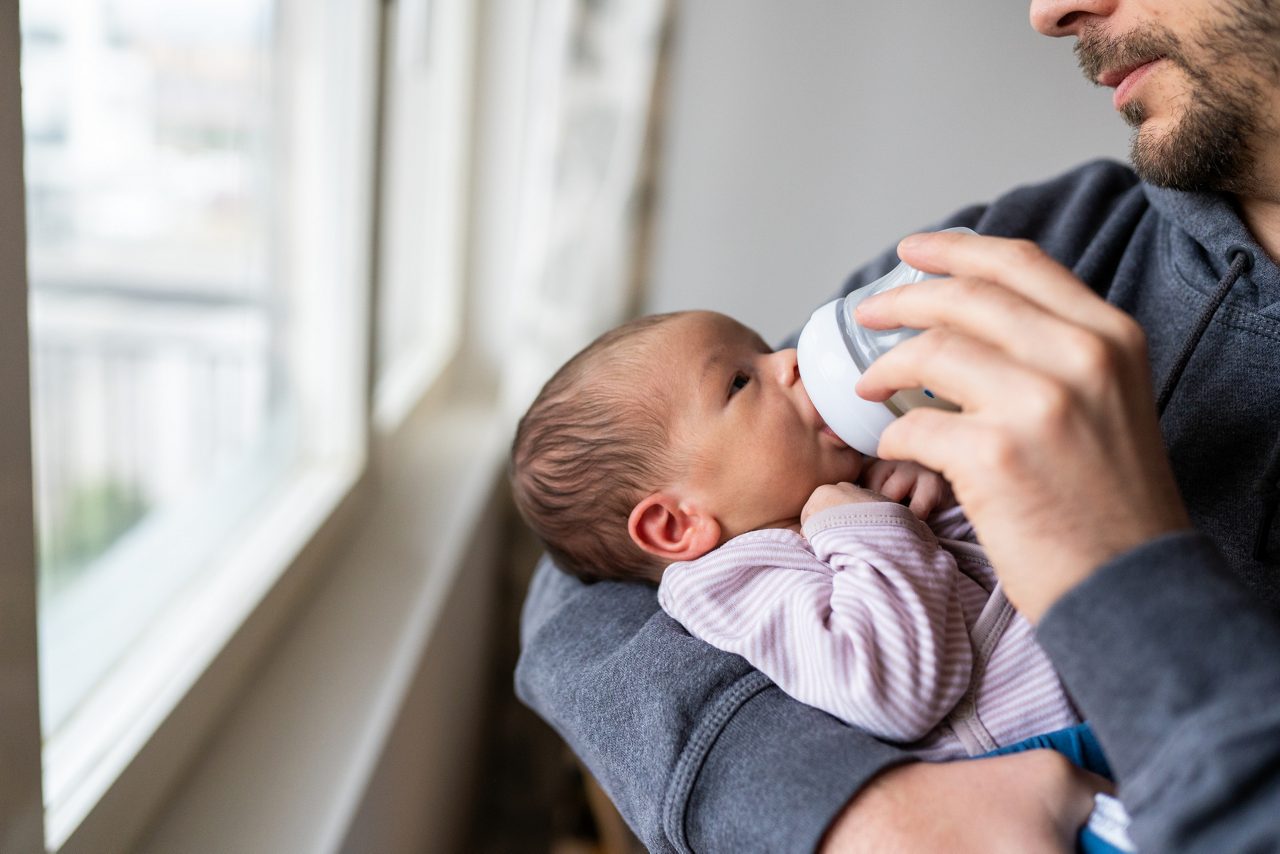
(1038, 803)
(1179, 670)
(698, 750)
(702, 753)
(1058, 458)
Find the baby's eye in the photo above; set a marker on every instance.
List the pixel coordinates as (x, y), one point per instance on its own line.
(740, 381)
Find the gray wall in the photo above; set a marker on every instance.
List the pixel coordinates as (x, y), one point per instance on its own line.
(804, 136)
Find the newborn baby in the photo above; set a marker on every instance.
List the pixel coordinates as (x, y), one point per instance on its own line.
(682, 450)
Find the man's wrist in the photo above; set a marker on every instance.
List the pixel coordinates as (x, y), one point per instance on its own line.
(871, 817)
(1036, 589)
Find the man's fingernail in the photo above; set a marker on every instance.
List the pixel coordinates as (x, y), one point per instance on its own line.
(912, 241)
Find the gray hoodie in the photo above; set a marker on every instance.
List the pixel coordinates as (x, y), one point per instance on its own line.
(1172, 650)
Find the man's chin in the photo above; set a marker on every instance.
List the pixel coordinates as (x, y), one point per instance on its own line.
(1198, 150)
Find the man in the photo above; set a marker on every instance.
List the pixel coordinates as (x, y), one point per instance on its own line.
(1135, 528)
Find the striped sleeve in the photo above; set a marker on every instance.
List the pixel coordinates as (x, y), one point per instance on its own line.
(953, 524)
(862, 622)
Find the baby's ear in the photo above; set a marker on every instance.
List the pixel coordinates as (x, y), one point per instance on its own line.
(671, 529)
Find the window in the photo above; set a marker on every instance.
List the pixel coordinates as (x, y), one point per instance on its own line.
(427, 117)
(203, 322)
(156, 332)
(197, 204)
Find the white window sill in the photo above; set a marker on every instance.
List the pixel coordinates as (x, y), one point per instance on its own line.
(290, 767)
(90, 753)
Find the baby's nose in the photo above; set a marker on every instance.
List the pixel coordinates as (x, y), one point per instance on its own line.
(787, 366)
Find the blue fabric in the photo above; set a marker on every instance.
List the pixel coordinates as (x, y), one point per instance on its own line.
(1089, 842)
(1077, 743)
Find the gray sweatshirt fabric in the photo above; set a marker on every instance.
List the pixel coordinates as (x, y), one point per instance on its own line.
(1172, 650)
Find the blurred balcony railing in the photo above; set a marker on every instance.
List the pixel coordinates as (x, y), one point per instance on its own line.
(177, 387)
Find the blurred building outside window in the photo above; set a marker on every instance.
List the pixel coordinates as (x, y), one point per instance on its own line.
(170, 155)
(155, 323)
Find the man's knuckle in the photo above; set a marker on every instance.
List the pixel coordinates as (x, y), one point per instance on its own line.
(1024, 253)
(1091, 355)
(996, 451)
(1050, 403)
(933, 343)
(1130, 336)
(969, 289)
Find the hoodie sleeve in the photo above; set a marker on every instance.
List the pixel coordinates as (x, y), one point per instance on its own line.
(699, 751)
(1178, 669)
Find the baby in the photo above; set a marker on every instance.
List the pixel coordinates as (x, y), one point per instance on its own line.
(682, 450)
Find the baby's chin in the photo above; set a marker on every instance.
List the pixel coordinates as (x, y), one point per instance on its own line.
(856, 463)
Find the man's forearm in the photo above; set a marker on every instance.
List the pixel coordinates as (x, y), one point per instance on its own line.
(1031, 801)
(699, 751)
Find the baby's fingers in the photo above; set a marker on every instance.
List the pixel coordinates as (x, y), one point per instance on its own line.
(928, 494)
(834, 495)
(901, 482)
(877, 474)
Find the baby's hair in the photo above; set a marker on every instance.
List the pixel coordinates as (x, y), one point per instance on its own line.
(593, 443)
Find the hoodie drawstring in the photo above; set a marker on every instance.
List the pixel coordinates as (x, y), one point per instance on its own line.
(1268, 488)
(1241, 262)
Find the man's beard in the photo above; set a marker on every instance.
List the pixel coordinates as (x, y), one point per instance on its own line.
(1211, 146)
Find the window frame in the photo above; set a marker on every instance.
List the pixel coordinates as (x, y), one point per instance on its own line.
(428, 55)
(497, 128)
(21, 803)
(307, 519)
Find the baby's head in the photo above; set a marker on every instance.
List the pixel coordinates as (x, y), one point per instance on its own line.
(663, 439)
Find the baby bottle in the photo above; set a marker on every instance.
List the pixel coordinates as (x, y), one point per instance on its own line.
(834, 351)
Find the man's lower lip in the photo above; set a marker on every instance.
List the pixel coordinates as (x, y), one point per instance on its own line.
(1125, 87)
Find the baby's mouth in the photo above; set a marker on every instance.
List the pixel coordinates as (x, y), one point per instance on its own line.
(821, 422)
(827, 431)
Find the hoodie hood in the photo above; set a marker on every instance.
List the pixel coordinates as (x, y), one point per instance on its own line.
(1207, 228)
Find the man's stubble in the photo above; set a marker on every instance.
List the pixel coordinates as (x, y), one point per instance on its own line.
(1213, 145)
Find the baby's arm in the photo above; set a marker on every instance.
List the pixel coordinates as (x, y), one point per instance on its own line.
(875, 636)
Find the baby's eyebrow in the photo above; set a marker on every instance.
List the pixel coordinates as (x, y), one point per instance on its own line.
(713, 366)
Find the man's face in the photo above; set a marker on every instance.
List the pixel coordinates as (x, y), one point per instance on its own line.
(1199, 81)
(750, 445)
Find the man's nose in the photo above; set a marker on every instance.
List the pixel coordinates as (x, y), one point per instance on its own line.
(1065, 17)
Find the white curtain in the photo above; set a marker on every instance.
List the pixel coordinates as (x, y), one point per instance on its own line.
(593, 65)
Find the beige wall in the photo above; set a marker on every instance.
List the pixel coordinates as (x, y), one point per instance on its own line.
(805, 136)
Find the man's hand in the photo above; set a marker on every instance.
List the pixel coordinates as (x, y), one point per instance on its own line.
(900, 480)
(1056, 454)
(1022, 802)
(834, 495)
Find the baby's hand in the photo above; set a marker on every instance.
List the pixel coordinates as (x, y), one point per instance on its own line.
(895, 480)
(834, 495)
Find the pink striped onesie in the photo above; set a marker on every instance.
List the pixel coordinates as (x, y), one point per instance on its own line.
(892, 626)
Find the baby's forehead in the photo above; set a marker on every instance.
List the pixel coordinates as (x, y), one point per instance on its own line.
(708, 329)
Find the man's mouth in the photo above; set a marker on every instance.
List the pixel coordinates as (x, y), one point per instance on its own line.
(1124, 78)
(1112, 77)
